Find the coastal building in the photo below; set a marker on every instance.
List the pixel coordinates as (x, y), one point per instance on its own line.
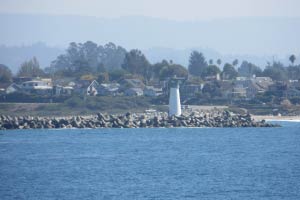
(213, 77)
(13, 88)
(190, 90)
(253, 86)
(239, 93)
(42, 87)
(66, 81)
(62, 90)
(92, 89)
(108, 89)
(151, 91)
(226, 88)
(20, 80)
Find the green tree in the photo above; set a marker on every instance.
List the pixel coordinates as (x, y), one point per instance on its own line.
(112, 56)
(103, 77)
(136, 63)
(88, 56)
(235, 62)
(30, 68)
(173, 70)
(248, 69)
(157, 67)
(276, 71)
(219, 61)
(117, 74)
(211, 61)
(100, 68)
(88, 53)
(212, 70)
(60, 65)
(5, 74)
(197, 64)
(229, 72)
(82, 67)
(292, 58)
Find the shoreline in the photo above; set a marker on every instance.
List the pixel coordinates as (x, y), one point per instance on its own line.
(276, 118)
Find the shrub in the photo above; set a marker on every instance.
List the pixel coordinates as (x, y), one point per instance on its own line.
(74, 102)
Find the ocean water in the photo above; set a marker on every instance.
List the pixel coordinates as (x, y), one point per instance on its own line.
(206, 163)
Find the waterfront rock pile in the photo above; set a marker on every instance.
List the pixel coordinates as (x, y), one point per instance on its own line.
(133, 120)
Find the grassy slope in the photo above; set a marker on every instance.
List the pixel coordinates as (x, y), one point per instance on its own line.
(76, 106)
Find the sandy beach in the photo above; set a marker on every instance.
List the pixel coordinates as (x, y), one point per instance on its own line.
(276, 118)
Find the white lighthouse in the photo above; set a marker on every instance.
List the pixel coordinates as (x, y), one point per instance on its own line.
(174, 99)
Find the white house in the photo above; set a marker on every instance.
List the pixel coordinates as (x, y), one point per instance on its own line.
(37, 86)
(60, 90)
(92, 89)
(151, 91)
(108, 89)
(13, 88)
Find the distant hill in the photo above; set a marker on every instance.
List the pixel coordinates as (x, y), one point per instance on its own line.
(14, 56)
(255, 36)
(257, 40)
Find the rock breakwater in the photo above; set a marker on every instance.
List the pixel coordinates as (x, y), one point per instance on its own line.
(133, 120)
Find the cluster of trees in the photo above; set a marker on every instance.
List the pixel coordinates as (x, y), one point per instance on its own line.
(5, 74)
(88, 58)
(104, 63)
(31, 68)
(199, 67)
(111, 62)
(275, 70)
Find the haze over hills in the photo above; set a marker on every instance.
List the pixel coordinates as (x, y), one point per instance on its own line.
(14, 56)
(256, 39)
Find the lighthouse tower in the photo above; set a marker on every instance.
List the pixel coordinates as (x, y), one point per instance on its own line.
(174, 99)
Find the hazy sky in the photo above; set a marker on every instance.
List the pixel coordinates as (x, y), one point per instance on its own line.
(169, 9)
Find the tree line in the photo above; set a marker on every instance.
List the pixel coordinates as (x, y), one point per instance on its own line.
(111, 62)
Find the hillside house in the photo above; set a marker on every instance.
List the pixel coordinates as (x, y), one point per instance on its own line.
(92, 89)
(62, 90)
(190, 90)
(108, 89)
(253, 86)
(227, 89)
(239, 93)
(151, 91)
(13, 88)
(42, 87)
(20, 80)
(213, 78)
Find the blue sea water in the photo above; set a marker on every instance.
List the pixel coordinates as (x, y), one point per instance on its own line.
(206, 163)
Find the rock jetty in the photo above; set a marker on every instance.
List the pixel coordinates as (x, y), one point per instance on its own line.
(133, 120)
